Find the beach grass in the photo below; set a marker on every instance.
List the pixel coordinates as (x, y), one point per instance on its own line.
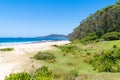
(6, 49)
(74, 64)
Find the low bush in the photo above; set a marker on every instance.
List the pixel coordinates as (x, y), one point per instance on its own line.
(55, 45)
(6, 49)
(114, 46)
(109, 61)
(44, 56)
(75, 73)
(43, 74)
(18, 76)
(69, 49)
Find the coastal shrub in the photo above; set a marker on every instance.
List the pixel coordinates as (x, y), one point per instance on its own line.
(114, 46)
(75, 73)
(109, 61)
(6, 49)
(19, 76)
(43, 73)
(69, 49)
(44, 56)
(55, 45)
(111, 36)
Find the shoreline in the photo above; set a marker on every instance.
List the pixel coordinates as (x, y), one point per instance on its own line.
(32, 47)
(31, 42)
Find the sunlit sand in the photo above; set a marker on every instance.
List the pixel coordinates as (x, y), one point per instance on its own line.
(19, 59)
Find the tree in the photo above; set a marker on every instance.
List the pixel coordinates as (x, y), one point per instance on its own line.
(118, 1)
(103, 21)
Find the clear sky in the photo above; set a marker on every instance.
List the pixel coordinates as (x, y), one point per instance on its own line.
(31, 18)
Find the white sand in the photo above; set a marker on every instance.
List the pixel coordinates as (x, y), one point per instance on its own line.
(19, 59)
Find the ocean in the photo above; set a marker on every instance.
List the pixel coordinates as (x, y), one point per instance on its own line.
(8, 41)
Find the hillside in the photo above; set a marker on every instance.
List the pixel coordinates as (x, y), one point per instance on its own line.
(103, 21)
(54, 36)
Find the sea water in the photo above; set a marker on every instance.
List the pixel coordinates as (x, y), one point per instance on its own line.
(8, 41)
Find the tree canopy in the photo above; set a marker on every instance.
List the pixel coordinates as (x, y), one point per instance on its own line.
(118, 1)
(103, 21)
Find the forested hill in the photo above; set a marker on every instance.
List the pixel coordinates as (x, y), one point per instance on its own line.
(103, 21)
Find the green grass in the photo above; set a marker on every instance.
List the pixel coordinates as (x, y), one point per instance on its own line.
(65, 65)
(73, 65)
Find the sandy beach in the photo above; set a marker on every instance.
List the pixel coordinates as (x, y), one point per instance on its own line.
(19, 59)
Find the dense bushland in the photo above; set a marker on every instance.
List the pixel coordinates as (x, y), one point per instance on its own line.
(90, 37)
(111, 36)
(103, 21)
(93, 37)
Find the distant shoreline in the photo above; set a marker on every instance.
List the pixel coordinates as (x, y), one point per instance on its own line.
(14, 41)
(30, 42)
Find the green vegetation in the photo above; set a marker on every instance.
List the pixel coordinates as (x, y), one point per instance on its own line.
(44, 56)
(90, 37)
(103, 21)
(111, 36)
(69, 49)
(70, 65)
(41, 74)
(107, 61)
(96, 60)
(82, 61)
(7, 49)
(118, 1)
(19, 76)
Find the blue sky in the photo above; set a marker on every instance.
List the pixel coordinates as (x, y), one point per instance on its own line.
(31, 18)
